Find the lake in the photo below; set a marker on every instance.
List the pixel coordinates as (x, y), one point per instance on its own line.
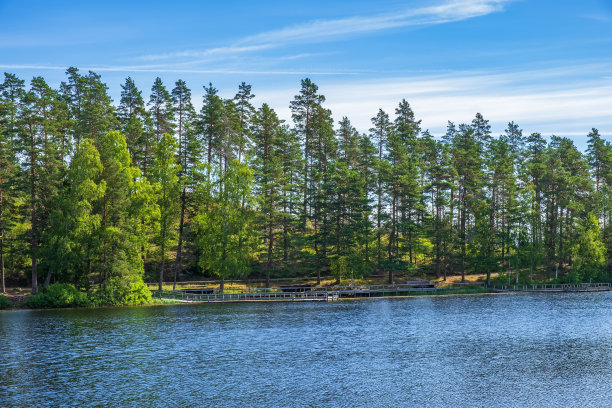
(516, 350)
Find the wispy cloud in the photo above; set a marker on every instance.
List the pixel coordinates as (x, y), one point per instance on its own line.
(329, 30)
(602, 17)
(157, 69)
(447, 12)
(565, 100)
(211, 52)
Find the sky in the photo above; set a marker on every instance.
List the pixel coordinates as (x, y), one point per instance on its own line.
(544, 64)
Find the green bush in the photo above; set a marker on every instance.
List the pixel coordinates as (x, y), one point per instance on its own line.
(4, 302)
(58, 295)
(122, 292)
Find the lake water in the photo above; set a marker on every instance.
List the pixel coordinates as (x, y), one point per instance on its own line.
(520, 350)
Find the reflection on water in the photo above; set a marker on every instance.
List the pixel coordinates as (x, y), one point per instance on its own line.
(471, 351)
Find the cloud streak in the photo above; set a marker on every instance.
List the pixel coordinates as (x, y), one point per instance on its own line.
(330, 30)
(157, 69)
(325, 30)
(562, 100)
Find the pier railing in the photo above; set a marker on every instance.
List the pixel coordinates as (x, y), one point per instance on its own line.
(555, 287)
(296, 293)
(328, 293)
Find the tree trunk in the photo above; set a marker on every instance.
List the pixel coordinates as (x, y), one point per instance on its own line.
(463, 241)
(34, 241)
(1, 246)
(179, 249)
(2, 262)
(163, 264)
(34, 267)
(48, 277)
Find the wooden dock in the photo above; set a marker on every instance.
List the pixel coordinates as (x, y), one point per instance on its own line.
(554, 287)
(334, 293)
(300, 293)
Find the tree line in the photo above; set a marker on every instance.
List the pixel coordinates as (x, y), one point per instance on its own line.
(97, 195)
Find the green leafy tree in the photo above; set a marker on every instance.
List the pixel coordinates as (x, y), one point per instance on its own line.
(74, 236)
(589, 252)
(226, 236)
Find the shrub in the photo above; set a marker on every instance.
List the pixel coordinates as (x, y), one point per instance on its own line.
(4, 302)
(122, 292)
(58, 295)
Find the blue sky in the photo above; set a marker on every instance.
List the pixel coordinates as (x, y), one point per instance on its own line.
(544, 64)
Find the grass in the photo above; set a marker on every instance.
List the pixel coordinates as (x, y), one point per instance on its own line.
(158, 302)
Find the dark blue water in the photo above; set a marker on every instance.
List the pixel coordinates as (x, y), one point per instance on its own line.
(522, 350)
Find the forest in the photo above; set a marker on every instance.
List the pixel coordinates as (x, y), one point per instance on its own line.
(106, 196)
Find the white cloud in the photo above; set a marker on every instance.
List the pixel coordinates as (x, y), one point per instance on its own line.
(327, 30)
(211, 52)
(568, 100)
(161, 69)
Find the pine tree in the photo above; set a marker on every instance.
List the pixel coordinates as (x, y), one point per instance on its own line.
(351, 205)
(164, 174)
(161, 110)
(89, 105)
(410, 176)
(246, 111)
(323, 152)
(380, 134)
(211, 122)
(132, 116)
(289, 182)
(267, 171)
(440, 175)
(41, 164)
(189, 152)
(120, 245)
(11, 92)
(304, 108)
(230, 136)
(468, 163)
(367, 169)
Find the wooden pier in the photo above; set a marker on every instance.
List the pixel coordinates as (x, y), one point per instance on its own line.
(303, 293)
(334, 293)
(553, 287)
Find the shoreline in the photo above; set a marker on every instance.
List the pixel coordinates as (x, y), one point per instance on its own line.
(356, 295)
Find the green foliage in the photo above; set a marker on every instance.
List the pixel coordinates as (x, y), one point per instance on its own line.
(4, 302)
(122, 291)
(164, 173)
(58, 295)
(339, 268)
(589, 253)
(117, 291)
(350, 266)
(225, 224)
(235, 190)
